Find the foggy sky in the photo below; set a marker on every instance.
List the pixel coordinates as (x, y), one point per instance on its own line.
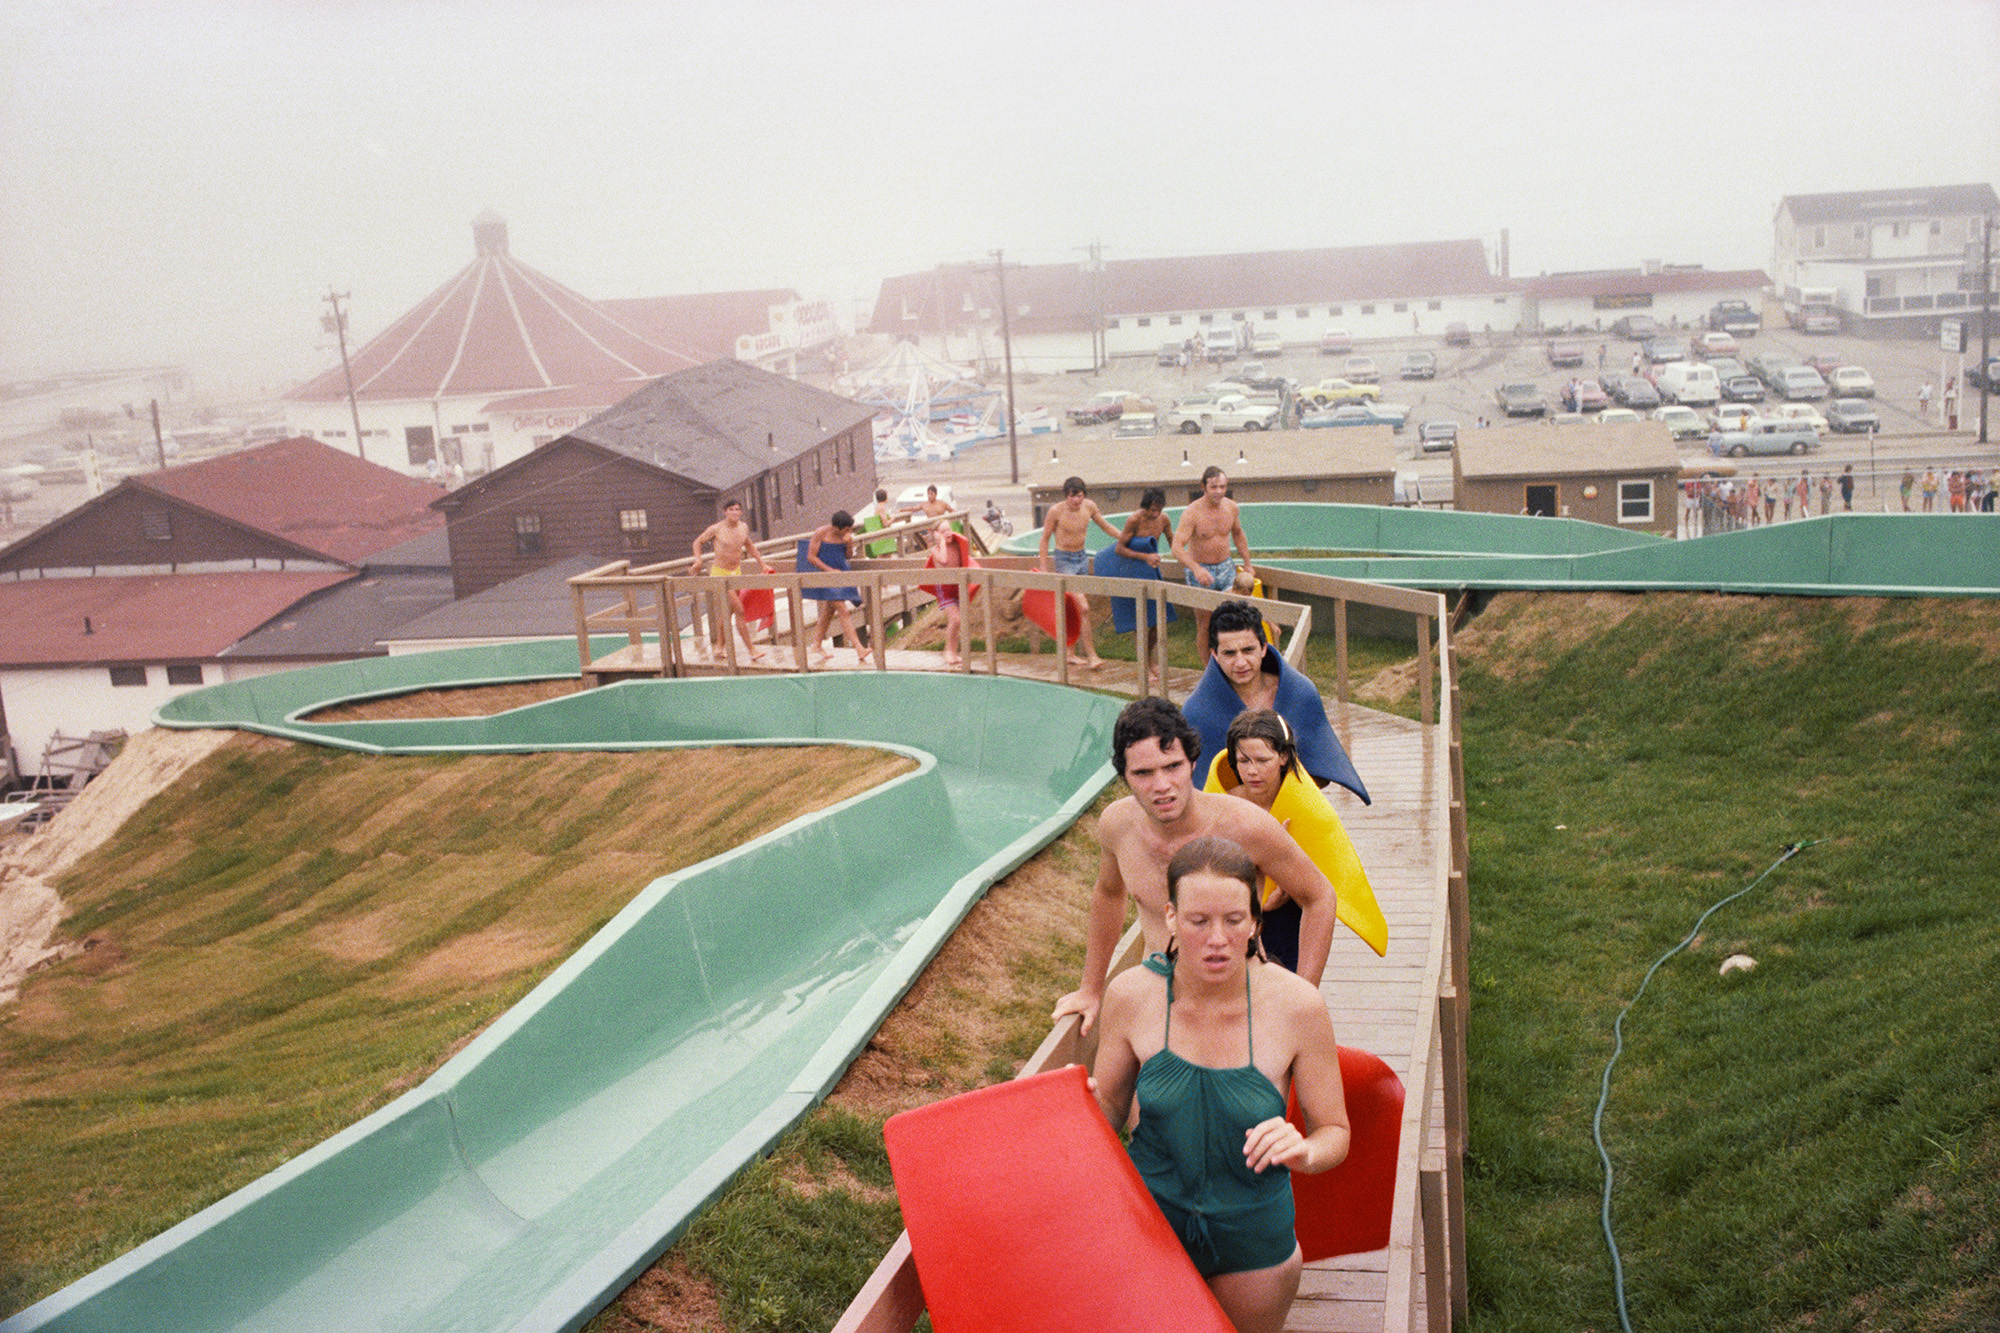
(182, 180)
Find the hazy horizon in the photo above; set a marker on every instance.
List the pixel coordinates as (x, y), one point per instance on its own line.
(186, 181)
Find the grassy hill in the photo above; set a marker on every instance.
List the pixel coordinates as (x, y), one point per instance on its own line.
(1810, 1145)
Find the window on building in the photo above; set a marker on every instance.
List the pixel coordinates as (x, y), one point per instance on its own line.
(1236, 315)
(421, 443)
(1333, 311)
(1173, 319)
(632, 527)
(1302, 313)
(156, 525)
(799, 481)
(1434, 305)
(481, 427)
(1270, 314)
(1937, 227)
(183, 673)
(1207, 319)
(1819, 237)
(1402, 307)
(1145, 321)
(1368, 310)
(1860, 231)
(1899, 229)
(850, 453)
(777, 491)
(330, 434)
(819, 469)
(527, 534)
(1110, 323)
(1635, 501)
(128, 675)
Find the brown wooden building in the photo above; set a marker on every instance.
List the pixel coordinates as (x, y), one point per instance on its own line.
(643, 479)
(1622, 474)
(1347, 465)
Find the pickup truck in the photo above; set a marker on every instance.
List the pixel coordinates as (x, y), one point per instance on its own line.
(1735, 317)
(1761, 435)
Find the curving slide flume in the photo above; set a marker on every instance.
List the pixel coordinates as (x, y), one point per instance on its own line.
(544, 1166)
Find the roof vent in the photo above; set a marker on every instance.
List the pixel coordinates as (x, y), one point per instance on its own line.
(489, 234)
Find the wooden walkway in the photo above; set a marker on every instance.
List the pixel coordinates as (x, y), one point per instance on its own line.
(1375, 1001)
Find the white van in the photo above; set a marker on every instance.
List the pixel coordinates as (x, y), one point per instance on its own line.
(1691, 382)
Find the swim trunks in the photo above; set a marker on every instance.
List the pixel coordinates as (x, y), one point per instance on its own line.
(1188, 1147)
(1224, 575)
(1069, 562)
(830, 553)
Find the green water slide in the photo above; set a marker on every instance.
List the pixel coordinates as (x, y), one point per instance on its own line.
(538, 1171)
(1838, 555)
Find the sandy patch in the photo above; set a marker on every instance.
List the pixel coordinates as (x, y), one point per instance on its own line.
(30, 909)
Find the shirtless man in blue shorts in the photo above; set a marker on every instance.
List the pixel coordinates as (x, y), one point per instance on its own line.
(1201, 544)
(1069, 524)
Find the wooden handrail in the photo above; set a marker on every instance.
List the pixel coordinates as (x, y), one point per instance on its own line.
(1427, 1224)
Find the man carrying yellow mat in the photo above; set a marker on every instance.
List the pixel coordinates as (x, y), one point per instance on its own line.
(1260, 763)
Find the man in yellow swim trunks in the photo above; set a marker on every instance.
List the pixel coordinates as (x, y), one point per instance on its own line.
(733, 540)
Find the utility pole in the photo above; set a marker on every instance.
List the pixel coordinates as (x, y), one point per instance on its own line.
(1985, 325)
(159, 440)
(336, 323)
(1007, 343)
(1100, 348)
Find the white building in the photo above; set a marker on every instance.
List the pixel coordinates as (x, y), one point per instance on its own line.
(1897, 260)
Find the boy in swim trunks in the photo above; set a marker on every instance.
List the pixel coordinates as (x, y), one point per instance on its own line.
(1069, 524)
(1201, 544)
(733, 540)
(826, 551)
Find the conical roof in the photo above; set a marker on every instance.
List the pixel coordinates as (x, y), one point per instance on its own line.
(498, 327)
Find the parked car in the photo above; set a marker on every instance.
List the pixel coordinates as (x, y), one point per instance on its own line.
(1662, 349)
(1766, 365)
(1762, 436)
(1254, 375)
(1565, 352)
(1361, 369)
(1985, 380)
(1713, 344)
(1266, 344)
(1852, 416)
(1805, 412)
(1330, 391)
(1630, 391)
(1419, 366)
(1136, 426)
(1684, 422)
(1690, 382)
(1335, 342)
(1435, 437)
(1799, 383)
(1732, 416)
(1103, 407)
(1617, 414)
(1392, 415)
(1825, 365)
(1727, 367)
(1851, 382)
(1583, 396)
(1229, 411)
(1168, 355)
(1520, 400)
(1457, 335)
(1743, 389)
(1636, 328)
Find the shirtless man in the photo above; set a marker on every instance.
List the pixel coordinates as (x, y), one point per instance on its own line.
(934, 507)
(1201, 544)
(1069, 523)
(733, 541)
(1154, 748)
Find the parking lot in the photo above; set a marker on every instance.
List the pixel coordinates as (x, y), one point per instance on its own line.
(1463, 391)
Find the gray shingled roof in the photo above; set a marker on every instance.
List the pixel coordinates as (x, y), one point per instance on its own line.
(348, 620)
(721, 424)
(535, 605)
(1924, 201)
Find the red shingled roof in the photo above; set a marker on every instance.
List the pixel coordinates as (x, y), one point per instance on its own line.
(308, 493)
(498, 327)
(1627, 281)
(142, 617)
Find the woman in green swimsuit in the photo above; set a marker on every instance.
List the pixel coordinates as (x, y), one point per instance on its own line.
(1208, 1036)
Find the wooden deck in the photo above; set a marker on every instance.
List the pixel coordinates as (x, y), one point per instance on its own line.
(1375, 1002)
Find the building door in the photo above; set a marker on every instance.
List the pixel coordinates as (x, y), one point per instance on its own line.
(1542, 501)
